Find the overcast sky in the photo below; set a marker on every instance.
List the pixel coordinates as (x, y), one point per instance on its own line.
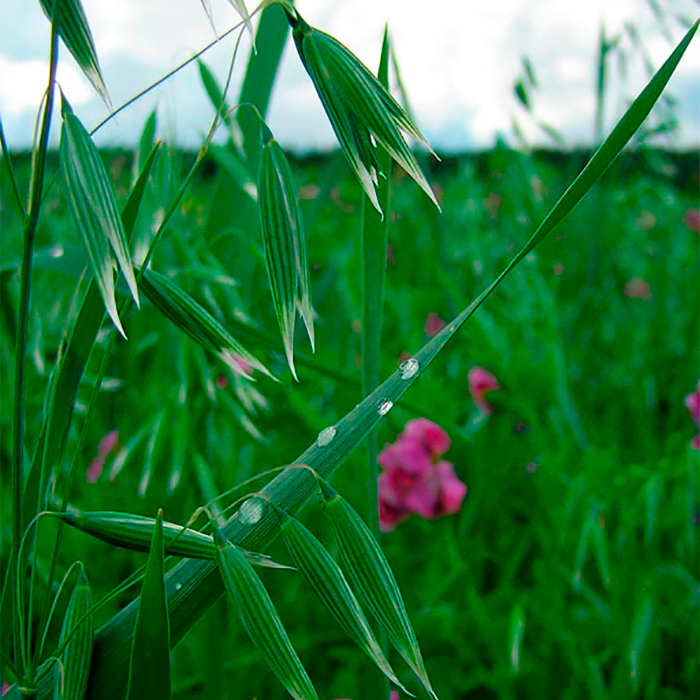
(459, 60)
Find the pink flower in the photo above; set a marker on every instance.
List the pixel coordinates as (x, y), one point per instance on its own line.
(692, 220)
(414, 480)
(433, 325)
(481, 381)
(692, 401)
(637, 288)
(109, 443)
(430, 435)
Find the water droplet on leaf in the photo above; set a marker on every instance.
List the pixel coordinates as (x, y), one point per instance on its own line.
(326, 436)
(251, 511)
(385, 407)
(409, 368)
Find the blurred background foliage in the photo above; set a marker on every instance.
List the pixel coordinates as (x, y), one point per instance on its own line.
(572, 569)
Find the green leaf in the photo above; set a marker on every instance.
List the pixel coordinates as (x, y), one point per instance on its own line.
(373, 580)
(195, 321)
(322, 573)
(260, 619)
(136, 532)
(93, 206)
(77, 654)
(285, 246)
(361, 110)
(149, 674)
(75, 32)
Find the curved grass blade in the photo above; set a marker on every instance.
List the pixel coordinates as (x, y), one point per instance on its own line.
(94, 209)
(195, 585)
(361, 110)
(149, 674)
(260, 619)
(196, 322)
(77, 653)
(285, 246)
(372, 578)
(76, 35)
(239, 6)
(322, 573)
(136, 532)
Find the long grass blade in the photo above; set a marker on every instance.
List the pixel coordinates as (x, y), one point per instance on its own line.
(76, 35)
(261, 620)
(149, 675)
(285, 246)
(94, 209)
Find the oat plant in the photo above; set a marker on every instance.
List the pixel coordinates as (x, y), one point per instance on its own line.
(191, 565)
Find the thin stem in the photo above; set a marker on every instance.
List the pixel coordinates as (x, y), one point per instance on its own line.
(31, 224)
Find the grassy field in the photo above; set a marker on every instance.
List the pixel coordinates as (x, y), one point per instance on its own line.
(571, 569)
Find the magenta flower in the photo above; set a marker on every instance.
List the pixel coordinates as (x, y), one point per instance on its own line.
(692, 401)
(415, 480)
(692, 220)
(433, 325)
(481, 381)
(109, 443)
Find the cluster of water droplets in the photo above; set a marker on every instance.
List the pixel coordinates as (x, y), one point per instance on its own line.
(325, 437)
(251, 511)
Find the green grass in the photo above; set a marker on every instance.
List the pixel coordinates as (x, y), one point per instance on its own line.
(596, 551)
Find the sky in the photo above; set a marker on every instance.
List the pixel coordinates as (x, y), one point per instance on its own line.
(459, 61)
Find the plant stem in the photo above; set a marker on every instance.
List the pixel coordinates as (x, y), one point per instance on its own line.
(31, 224)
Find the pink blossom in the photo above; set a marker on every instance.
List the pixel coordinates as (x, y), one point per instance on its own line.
(692, 401)
(414, 480)
(109, 443)
(637, 288)
(433, 438)
(692, 220)
(481, 381)
(433, 325)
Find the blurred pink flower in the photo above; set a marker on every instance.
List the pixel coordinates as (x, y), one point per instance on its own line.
(433, 325)
(637, 288)
(481, 381)
(430, 435)
(414, 480)
(692, 220)
(109, 443)
(692, 401)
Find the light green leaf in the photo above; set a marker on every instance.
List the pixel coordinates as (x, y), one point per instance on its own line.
(322, 573)
(285, 245)
(77, 653)
(260, 619)
(149, 673)
(197, 323)
(91, 200)
(373, 580)
(361, 110)
(75, 32)
(239, 6)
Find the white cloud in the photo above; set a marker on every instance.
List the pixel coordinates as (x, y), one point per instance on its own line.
(459, 61)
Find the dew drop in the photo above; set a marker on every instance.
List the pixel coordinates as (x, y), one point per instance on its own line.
(385, 407)
(178, 586)
(251, 511)
(326, 436)
(409, 368)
